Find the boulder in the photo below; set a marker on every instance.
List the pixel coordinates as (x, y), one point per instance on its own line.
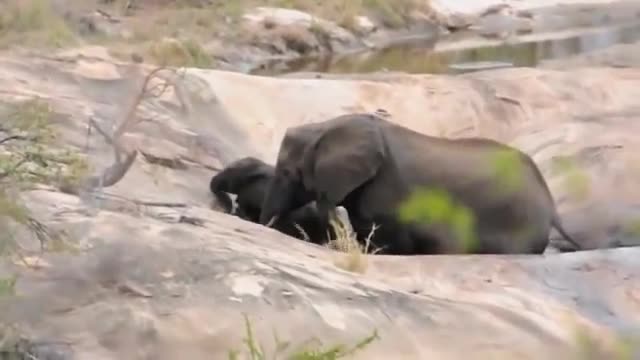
(152, 272)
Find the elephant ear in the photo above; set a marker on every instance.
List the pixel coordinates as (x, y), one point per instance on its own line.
(343, 158)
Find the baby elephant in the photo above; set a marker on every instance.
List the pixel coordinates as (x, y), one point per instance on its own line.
(249, 178)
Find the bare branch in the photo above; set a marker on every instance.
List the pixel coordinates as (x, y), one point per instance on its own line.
(114, 173)
(130, 114)
(117, 148)
(13, 137)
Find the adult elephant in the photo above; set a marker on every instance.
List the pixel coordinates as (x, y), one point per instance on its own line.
(371, 166)
(248, 178)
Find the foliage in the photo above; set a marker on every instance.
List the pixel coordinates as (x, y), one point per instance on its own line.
(28, 157)
(346, 241)
(172, 52)
(437, 207)
(256, 351)
(32, 22)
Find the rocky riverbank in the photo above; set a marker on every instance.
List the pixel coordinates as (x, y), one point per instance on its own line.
(146, 268)
(245, 35)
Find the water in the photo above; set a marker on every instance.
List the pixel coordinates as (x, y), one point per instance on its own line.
(444, 57)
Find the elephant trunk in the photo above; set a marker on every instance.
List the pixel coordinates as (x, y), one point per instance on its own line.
(278, 202)
(218, 187)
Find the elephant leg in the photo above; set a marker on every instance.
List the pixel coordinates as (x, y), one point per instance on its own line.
(326, 212)
(388, 237)
(397, 237)
(241, 212)
(510, 242)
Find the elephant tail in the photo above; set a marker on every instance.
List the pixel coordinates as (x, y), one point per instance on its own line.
(557, 224)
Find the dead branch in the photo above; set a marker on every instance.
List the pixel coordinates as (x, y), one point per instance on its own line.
(40, 230)
(117, 146)
(13, 137)
(130, 114)
(114, 173)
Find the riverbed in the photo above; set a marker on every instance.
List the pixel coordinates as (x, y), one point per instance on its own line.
(495, 40)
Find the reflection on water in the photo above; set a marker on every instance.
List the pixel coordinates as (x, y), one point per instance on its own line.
(421, 58)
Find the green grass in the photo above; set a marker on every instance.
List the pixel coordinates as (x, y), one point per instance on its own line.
(255, 351)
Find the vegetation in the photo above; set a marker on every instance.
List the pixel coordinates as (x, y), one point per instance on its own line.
(33, 22)
(172, 52)
(178, 32)
(257, 352)
(27, 157)
(355, 253)
(436, 206)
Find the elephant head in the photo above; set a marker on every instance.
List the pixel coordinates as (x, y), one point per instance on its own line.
(323, 162)
(247, 178)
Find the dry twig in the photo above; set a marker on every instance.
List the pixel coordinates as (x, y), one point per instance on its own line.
(13, 137)
(114, 173)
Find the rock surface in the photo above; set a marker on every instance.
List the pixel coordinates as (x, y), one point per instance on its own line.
(148, 281)
(620, 56)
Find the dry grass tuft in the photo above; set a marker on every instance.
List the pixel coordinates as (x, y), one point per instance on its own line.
(345, 241)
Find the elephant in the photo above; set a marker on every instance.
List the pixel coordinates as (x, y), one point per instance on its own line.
(371, 166)
(248, 179)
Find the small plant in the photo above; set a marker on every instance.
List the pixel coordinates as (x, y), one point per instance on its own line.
(346, 241)
(257, 352)
(27, 157)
